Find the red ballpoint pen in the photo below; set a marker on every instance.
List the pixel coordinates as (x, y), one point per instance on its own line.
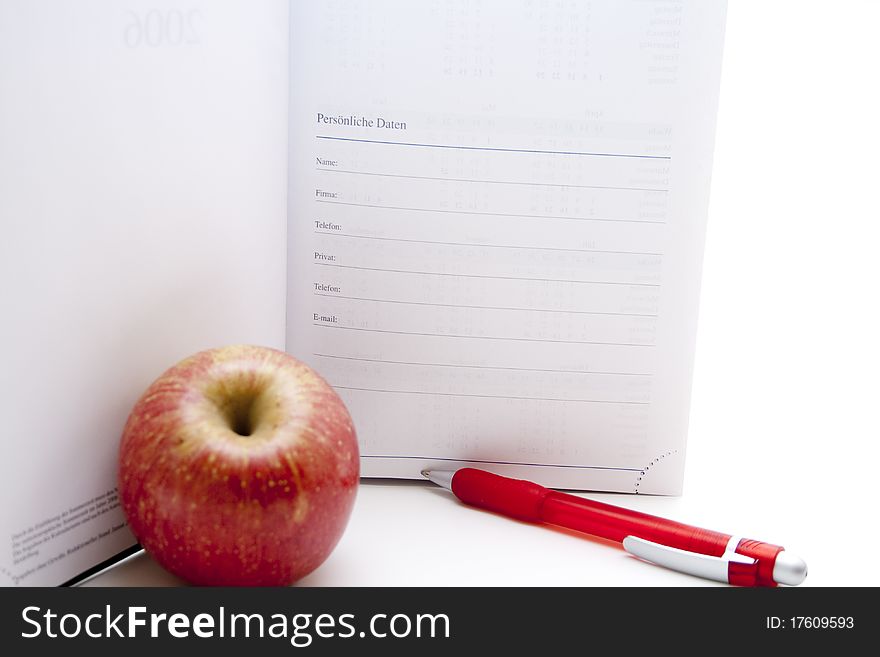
(667, 543)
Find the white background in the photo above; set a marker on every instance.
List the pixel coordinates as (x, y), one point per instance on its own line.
(783, 443)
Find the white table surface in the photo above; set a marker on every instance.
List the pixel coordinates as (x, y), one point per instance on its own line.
(413, 534)
(784, 444)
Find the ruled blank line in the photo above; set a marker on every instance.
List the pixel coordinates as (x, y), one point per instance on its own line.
(462, 394)
(540, 465)
(491, 182)
(487, 246)
(459, 305)
(482, 337)
(487, 148)
(488, 214)
(477, 367)
(503, 278)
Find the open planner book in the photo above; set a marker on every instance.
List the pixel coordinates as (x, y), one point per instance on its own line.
(481, 221)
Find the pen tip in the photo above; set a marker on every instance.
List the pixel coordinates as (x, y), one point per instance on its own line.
(440, 477)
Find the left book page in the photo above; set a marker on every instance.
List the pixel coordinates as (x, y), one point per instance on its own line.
(143, 155)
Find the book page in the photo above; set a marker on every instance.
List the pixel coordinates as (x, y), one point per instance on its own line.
(143, 162)
(496, 222)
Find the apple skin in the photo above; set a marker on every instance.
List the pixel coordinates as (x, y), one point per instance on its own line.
(219, 508)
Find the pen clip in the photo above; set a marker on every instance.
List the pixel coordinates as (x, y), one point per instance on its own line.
(692, 563)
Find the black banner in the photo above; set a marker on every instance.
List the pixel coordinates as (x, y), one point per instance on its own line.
(429, 621)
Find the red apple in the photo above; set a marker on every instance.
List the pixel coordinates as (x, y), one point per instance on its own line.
(239, 466)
